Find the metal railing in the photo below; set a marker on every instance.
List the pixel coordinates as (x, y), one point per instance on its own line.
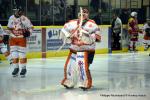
(57, 12)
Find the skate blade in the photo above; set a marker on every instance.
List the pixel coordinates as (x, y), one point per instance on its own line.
(22, 76)
(84, 88)
(15, 75)
(68, 87)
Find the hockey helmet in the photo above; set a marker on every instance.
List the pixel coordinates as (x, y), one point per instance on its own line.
(85, 13)
(18, 11)
(133, 14)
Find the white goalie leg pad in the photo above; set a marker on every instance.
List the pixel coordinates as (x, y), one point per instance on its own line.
(84, 78)
(81, 69)
(71, 80)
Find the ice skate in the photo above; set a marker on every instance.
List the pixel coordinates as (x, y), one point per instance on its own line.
(23, 72)
(67, 87)
(84, 88)
(15, 72)
(67, 84)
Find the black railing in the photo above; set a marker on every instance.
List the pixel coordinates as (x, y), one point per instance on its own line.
(57, 12)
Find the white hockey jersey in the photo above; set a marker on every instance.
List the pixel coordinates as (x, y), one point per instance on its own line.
(145, 26)
(146, 31)
(2, 32)
(82, 38)
(19, 24)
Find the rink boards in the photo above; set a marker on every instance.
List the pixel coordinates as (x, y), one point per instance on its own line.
(44, 42)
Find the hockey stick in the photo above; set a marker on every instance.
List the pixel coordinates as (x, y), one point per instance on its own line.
(77, 28)
(80, 24)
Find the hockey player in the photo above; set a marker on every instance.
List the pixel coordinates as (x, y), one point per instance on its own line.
(133, 30)
(146, 31)
(116, 31)
(3, 44)
(20, 28)
(82, 33)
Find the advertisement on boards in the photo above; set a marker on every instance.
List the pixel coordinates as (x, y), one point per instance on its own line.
(35, 41)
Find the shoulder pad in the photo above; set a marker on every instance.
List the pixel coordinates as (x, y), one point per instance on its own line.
(91, 21)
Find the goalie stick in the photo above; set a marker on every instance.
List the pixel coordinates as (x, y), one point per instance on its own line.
(78, 28)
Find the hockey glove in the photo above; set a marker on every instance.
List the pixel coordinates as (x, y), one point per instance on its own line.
(26, 33)
(5, 39)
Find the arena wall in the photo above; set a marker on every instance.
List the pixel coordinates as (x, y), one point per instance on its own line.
(44, 42)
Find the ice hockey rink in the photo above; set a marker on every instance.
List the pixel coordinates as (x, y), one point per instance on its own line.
(121, 76)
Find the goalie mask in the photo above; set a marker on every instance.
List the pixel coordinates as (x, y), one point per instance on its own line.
(85, 14)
